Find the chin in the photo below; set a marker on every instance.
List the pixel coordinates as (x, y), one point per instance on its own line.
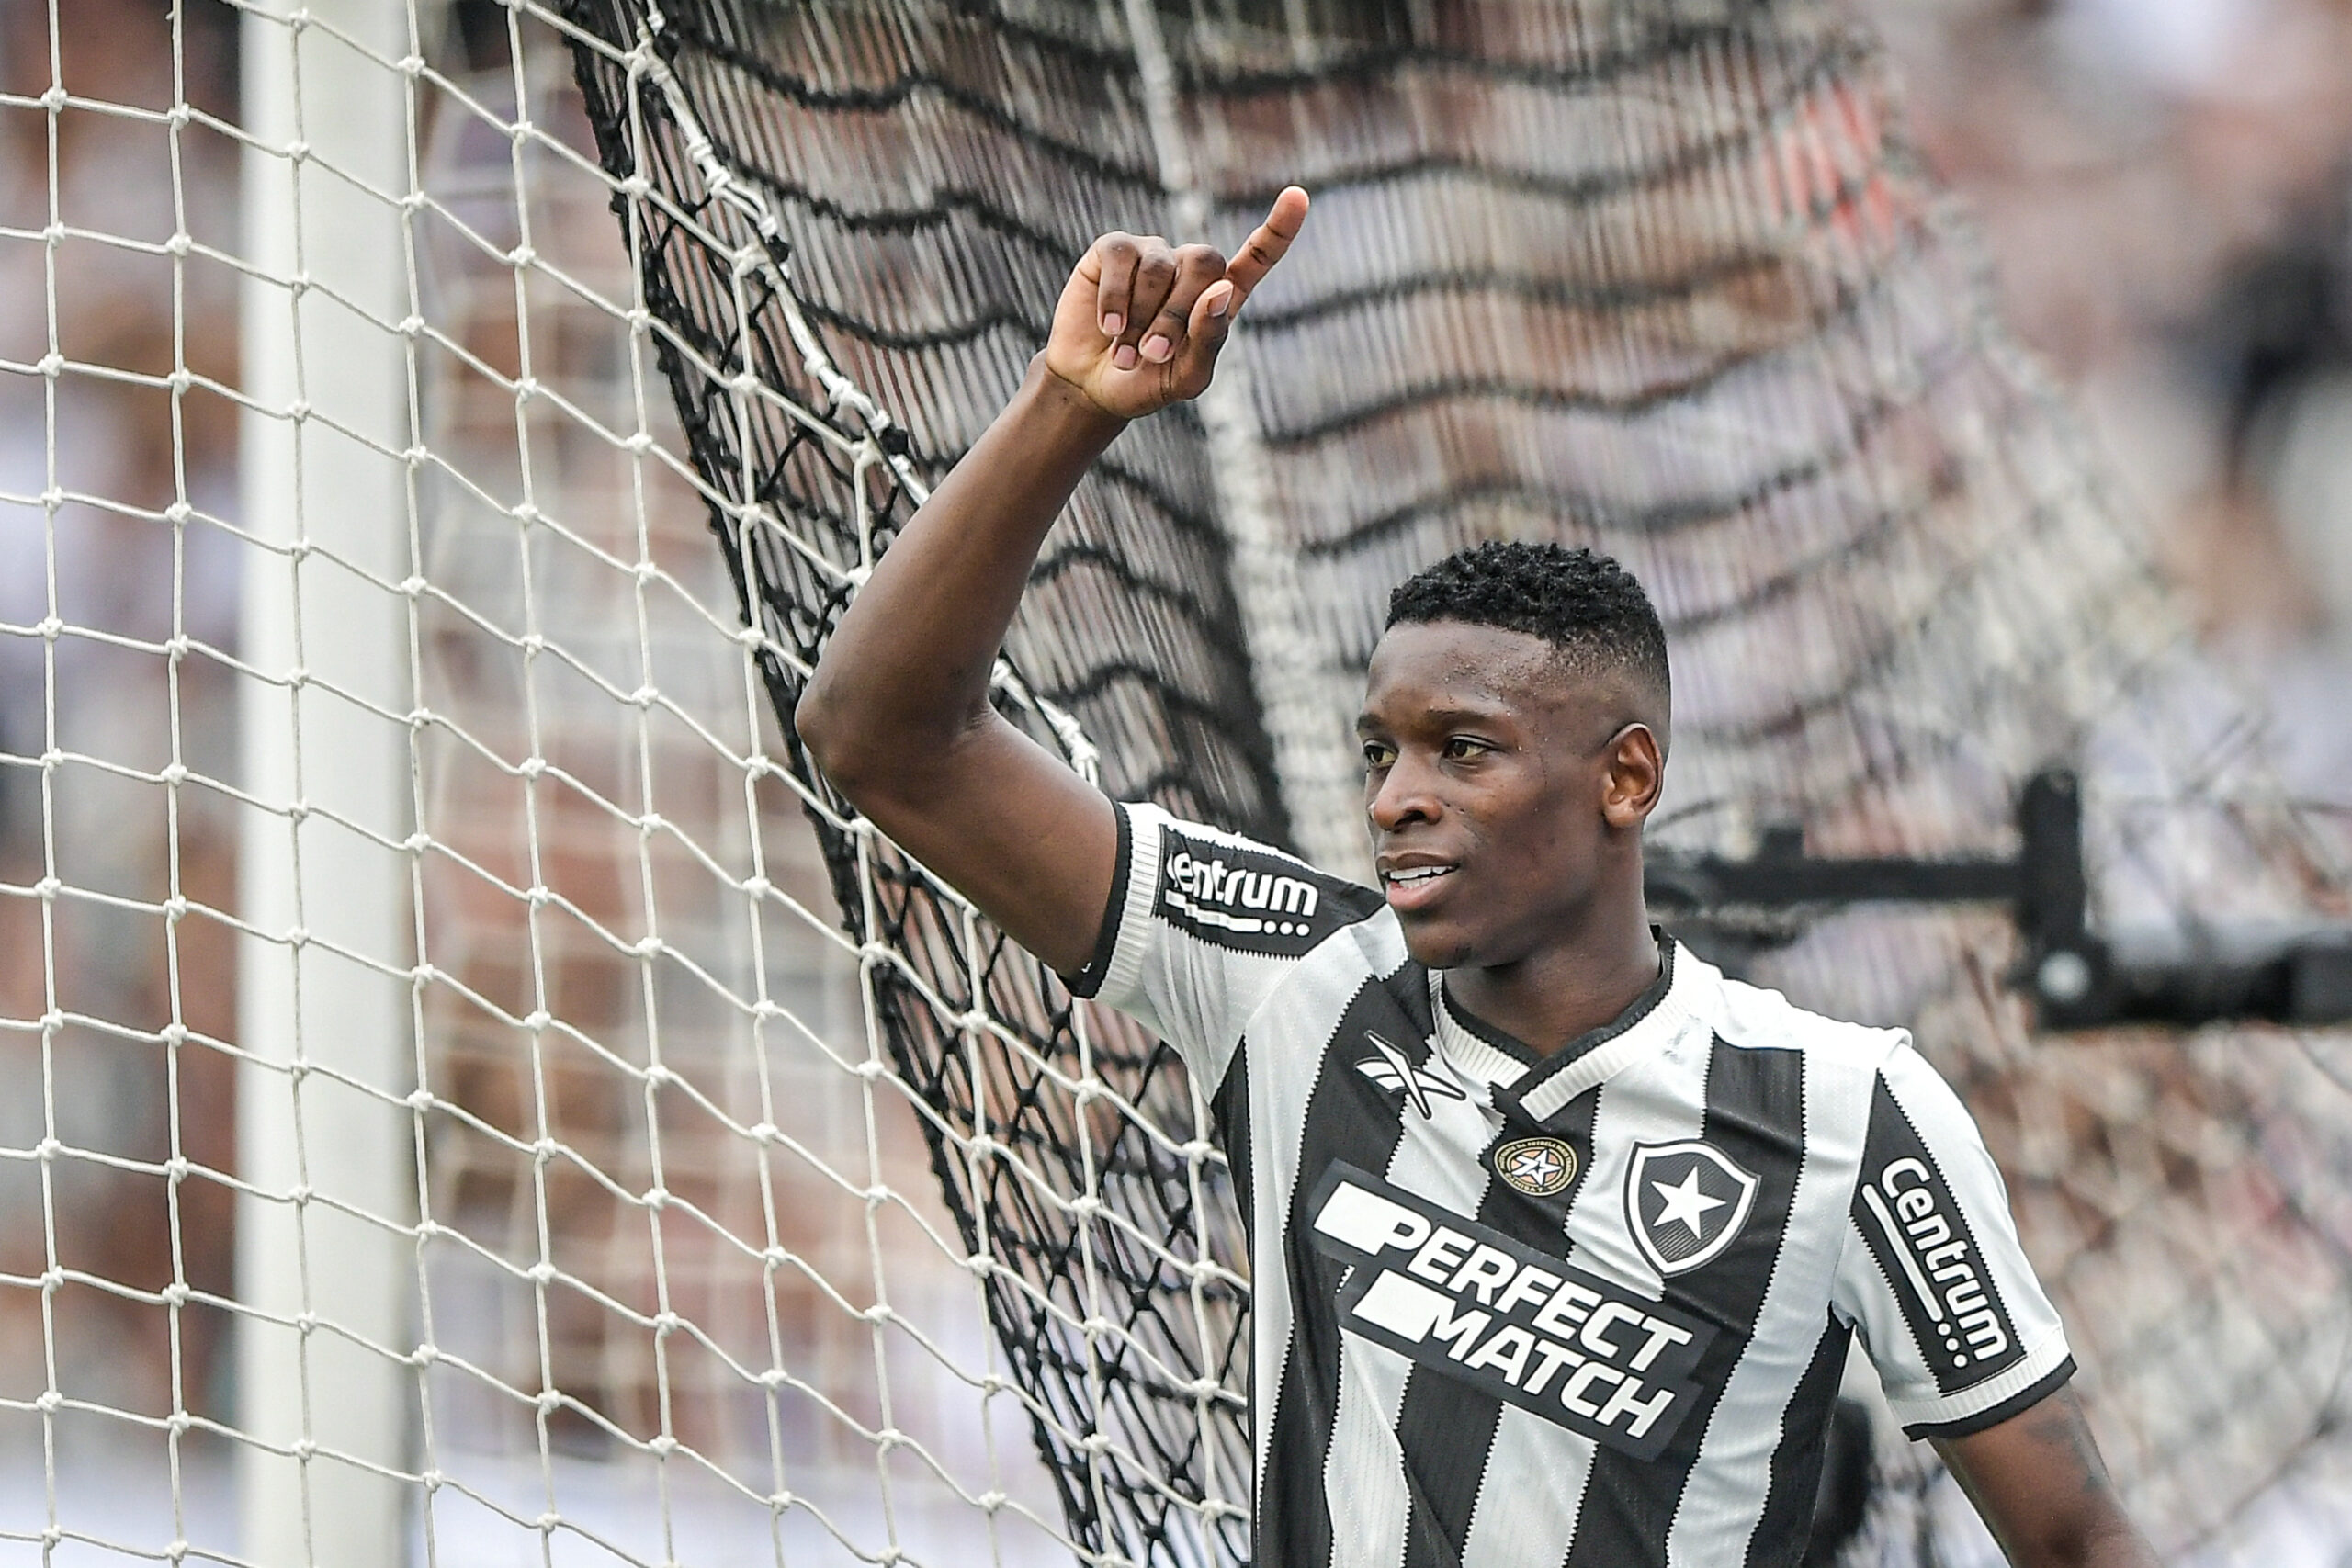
(1439, 945)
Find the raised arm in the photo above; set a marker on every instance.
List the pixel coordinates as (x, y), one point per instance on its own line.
(2040, 1483)
(898, 711)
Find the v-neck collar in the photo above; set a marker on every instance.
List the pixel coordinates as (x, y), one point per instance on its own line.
(1539, 1086)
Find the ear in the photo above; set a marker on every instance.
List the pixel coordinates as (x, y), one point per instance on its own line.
(1633, 772)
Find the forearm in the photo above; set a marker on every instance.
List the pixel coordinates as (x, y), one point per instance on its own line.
(896, 711)
(906, 672)
(2121, 1546)
(2039, 1482)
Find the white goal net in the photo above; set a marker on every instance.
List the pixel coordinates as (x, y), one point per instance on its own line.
(445, 1121)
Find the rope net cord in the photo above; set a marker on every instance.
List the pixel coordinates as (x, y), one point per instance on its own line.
(721, 1192)
(642, 1258)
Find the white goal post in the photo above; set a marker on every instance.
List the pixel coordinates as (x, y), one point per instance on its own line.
(330, 1023)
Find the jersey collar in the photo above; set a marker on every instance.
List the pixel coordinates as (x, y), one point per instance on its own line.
(1539, 1087)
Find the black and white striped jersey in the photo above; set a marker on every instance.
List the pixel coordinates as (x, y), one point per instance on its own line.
(1521, 1311)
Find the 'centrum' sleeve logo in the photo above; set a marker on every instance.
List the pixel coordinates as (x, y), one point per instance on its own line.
(1927, 1252)
(1520, 1325)
(1241, 896)
(1944, 1282)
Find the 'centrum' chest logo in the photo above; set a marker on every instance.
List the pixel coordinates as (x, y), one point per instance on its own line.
(1541, 1167)
(1684, 1203)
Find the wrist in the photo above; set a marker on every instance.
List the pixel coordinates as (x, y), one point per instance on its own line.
(1066, 408)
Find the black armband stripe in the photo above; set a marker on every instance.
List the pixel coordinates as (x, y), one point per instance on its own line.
(1088, 979)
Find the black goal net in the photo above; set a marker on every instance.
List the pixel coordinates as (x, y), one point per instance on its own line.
(1661, 276)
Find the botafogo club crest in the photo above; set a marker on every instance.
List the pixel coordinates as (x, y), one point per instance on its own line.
(1685, 1202)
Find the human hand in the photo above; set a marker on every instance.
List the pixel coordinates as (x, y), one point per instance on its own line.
(1140, 322)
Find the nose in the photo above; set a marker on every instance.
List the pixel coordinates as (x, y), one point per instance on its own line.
(1405, 796)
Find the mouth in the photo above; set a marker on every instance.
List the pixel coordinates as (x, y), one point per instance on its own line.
(1415, 887)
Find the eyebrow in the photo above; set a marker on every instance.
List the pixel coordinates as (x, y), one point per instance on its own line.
(1440, 718)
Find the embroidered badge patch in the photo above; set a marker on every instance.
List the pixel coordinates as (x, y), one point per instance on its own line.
(1541, 1167)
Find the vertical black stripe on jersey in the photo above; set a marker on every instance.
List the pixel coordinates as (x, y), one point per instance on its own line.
(1756, 1115)
(1893, 1139)
(1785, 1526)
(1446, 1427)
(1346, 1119)
(1230, 1108)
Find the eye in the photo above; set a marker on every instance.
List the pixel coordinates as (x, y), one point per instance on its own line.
(1378, 754)
(1460, 748)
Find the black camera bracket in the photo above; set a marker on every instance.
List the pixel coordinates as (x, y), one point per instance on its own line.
(2076, 978)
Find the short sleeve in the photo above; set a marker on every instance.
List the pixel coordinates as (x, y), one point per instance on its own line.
(1202, 926)
(1933, 1275)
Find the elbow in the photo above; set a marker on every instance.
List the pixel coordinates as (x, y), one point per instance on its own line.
(2089, 1531)
(871, 749)
(2112, 1540)
(861, 754)
(827, 733)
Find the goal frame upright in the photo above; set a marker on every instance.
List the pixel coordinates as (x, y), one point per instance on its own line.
(326, 1226)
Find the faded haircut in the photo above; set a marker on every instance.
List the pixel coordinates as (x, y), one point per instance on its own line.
(1586, 605)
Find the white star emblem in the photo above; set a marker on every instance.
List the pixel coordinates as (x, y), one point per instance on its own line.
(1536, 1167)
(1706, 1233)
(1685, 1204)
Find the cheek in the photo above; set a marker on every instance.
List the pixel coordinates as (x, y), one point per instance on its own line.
(1531, 845)
(1550, 845)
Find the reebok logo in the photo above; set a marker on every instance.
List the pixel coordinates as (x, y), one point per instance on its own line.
(1238, 896)
(1393, 1071)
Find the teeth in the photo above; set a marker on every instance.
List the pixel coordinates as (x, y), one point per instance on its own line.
(1419, 874)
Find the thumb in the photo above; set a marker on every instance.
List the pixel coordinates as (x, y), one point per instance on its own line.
(1211, 316)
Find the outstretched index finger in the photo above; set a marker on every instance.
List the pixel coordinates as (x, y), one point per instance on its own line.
(1269, 244)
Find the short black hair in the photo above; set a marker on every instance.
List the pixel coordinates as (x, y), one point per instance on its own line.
(1586, 606)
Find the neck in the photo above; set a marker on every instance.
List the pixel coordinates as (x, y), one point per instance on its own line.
(1553, 996)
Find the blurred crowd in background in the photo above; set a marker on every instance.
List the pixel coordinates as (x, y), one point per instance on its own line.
(111, 568)
(2165, 188)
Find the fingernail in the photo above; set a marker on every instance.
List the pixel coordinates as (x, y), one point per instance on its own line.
(1113, 324)
(1224, 303)
(1157, 347)
(1123, 357)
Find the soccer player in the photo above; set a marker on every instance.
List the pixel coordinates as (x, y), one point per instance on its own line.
(1559, 1237)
